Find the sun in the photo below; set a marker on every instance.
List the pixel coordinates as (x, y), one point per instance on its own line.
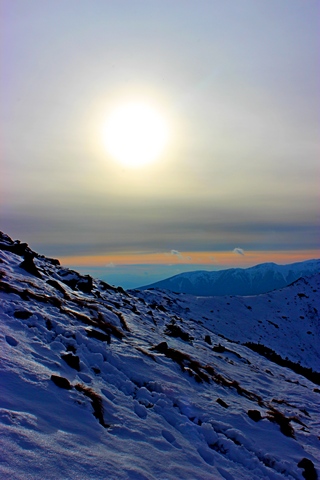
(135, 133)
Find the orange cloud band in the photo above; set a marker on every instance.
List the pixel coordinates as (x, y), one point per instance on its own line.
(227, 258)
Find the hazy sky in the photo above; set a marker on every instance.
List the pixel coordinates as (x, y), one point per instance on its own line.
(238, 84)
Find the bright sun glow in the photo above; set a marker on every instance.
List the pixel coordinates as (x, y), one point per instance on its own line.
(135, 134)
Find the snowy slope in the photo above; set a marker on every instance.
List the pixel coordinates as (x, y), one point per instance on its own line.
(98, 383)
(238, 281)
(285, 320)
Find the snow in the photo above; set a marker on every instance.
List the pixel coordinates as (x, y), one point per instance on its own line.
(285, 320)
(170, 410)
(238, 281)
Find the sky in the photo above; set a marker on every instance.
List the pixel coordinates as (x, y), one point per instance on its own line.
(237, 84)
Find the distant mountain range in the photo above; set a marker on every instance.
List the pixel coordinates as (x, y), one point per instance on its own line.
(237, 281)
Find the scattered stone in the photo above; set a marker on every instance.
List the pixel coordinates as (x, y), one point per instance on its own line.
(255, 415)
(309, 472)
(49, 324)
(29, 266)
(219, 348)
(85, 284)
(222, 403)
(14, 247)
(22, 314)
(104, 337)
(61, 382)
(161, 347)
(72, 360)
(71, 348)
(173, 330)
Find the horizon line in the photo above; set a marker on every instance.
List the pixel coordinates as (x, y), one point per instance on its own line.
(237, 257)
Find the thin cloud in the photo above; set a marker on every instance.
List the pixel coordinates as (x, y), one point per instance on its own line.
(176, 253)
(238, 251)
(179, 255)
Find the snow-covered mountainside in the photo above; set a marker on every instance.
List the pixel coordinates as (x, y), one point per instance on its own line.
(238, 281)
(99, 383)
(286, 320)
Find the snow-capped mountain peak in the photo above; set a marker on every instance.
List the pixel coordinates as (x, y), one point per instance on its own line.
(238, 281)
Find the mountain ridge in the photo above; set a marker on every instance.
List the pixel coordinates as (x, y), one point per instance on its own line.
(237, 281)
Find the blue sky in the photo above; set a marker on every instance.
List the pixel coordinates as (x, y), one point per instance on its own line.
(238, 84)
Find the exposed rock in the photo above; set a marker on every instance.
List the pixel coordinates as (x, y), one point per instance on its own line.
(22, 314)
(61, 382)
(222, 403)
(72, 360)
(29, 266)
(255, 415)
(309, 472)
